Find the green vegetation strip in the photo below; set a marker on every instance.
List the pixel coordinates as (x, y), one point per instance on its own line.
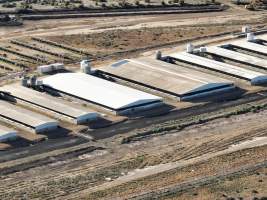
(178, 125)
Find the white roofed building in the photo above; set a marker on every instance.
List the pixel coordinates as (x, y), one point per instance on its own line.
(106, 94)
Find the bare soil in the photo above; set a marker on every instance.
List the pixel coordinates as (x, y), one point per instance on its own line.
(72, 177)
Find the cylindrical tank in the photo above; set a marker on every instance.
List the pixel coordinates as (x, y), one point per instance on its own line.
(189, 48)
(33, 80)
(24, 81)
(250, 37)
(245, 29)
(85, 66)
(158, 55)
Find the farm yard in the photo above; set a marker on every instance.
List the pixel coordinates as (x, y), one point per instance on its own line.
(209, 147)
(104, 42)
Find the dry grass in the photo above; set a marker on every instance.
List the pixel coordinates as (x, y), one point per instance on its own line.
(123, 40)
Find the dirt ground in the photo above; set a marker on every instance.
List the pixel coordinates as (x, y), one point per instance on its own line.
(106, 37)
(70, 178)
(248, 186)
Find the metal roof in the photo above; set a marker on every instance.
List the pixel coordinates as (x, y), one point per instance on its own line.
(233, 55)
(46, 101)
(254, 77)
(165, 77)
(23, 116)
(99, 91)
(251, 46)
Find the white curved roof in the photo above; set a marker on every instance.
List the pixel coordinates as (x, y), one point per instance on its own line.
(99, 91)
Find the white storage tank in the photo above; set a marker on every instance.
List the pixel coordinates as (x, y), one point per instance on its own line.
(250, 37)
(86, 67)
(245, 29)
(189, 48)
(158, 55)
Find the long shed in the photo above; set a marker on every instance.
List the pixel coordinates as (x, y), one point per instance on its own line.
(104, 93)
(27, 119)
(75, 113)
(177, 81)
(255, 78)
